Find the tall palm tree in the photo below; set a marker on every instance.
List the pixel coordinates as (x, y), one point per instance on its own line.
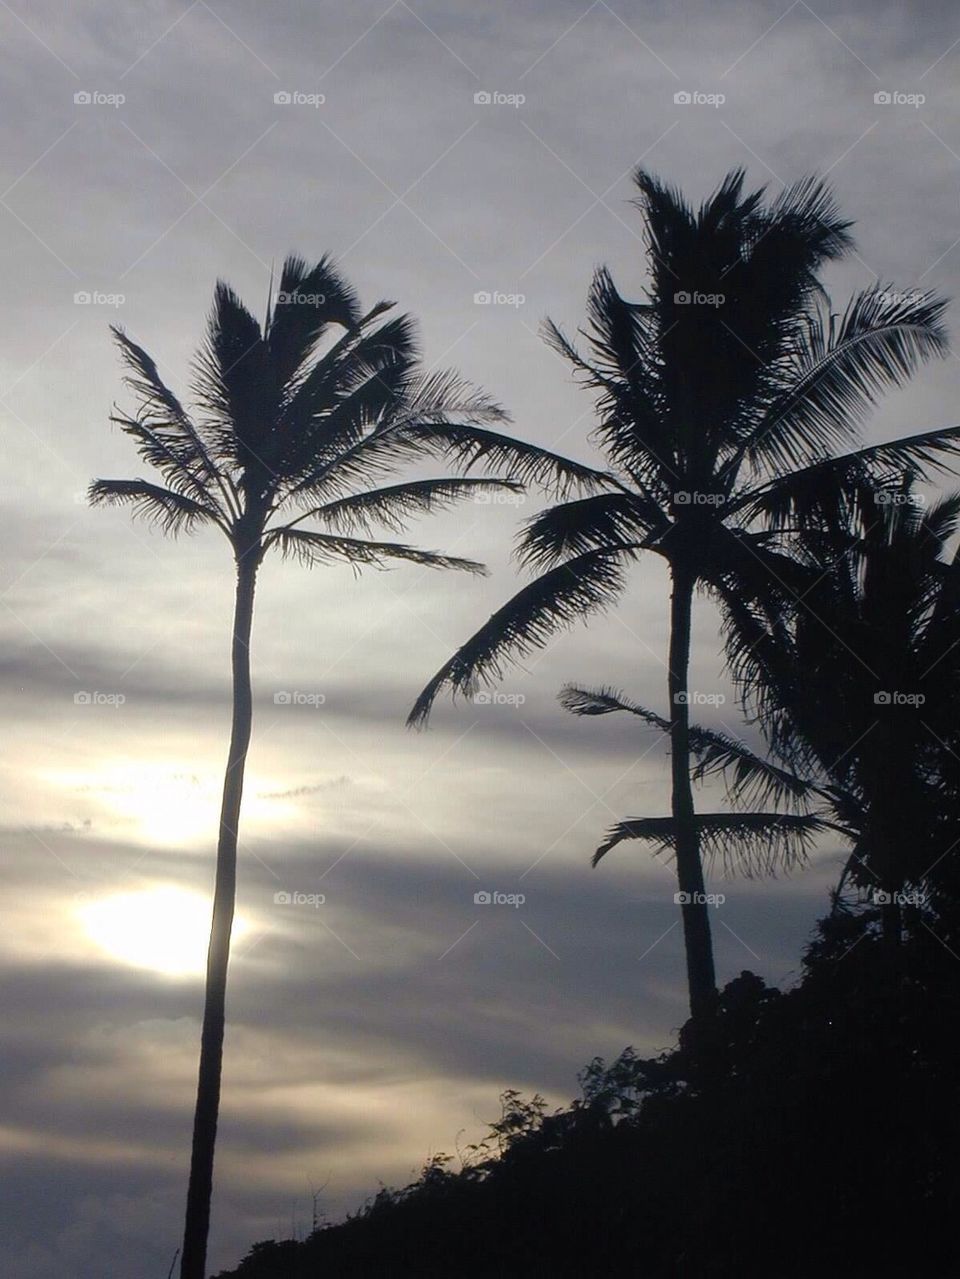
(723, 397)
(859, 686)
(298, 422)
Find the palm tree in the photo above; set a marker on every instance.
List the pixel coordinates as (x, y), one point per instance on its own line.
(299, 421)
(722, 400)
(859, 686)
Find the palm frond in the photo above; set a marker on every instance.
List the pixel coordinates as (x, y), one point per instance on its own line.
(586, 524)
(309, 300)
(173, 512)
(829, 492)
(325, 548)
(393, 506)
(838, 371)
(747, 843)
(752, 779)
(557, 599)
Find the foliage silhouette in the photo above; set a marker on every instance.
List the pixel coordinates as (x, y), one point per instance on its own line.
(828, 1149)
(723, 399)
(859, 685)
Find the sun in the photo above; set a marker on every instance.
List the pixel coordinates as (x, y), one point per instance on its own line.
(163, 929)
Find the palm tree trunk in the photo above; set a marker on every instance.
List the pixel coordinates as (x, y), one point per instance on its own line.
(197, 1224)
(701, 979)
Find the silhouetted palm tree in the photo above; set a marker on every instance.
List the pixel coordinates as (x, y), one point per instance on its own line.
(723, 398)
(298, 421)
(859, 687)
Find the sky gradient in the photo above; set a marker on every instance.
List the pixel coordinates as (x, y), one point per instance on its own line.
(367, 1031)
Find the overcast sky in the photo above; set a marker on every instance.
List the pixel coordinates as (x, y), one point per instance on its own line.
(365, 1032)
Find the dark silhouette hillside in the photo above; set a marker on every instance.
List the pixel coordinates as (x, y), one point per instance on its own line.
(828, 1147)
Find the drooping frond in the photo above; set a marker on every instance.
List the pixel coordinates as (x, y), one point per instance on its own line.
(173, 512)
(606, 701)
(393, 506)
(746, 843)
(828, 492)
(325, 548)
(752, 779)
(165, 435)
(590, 523)
(557, 599)
(446, 418)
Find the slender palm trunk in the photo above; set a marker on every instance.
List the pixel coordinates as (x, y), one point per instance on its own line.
(197, 1224)
(701, 979)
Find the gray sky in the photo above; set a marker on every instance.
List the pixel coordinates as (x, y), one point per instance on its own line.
(365, 1032)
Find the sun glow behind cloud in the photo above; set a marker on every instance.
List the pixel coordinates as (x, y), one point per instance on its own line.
(163, 928)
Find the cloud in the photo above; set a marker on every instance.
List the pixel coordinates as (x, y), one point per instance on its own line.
(365, 1033)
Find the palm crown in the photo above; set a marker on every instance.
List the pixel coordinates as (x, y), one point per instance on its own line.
(301, 419)
(720, 419)
(859, 686)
